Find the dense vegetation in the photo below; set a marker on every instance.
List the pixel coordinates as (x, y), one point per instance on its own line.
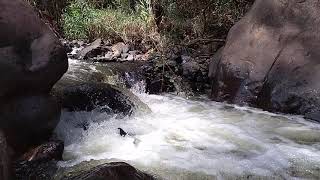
(137, 20)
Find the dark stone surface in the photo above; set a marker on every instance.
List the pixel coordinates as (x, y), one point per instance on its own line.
(40, 162)
(87, 96)
(271, 59)
(186, 73)
(5, 163)
(51, 150)
(114, 171)
(35, 170)
(32, 60)
(29, 120)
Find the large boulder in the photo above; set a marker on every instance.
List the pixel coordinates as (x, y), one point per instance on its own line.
(271, 59)
(5, 163)
(32, 60)
(88, 96)
(29, 120)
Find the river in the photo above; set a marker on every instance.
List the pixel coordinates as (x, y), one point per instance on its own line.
(194, 138)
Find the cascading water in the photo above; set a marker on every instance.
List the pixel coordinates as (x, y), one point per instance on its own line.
(197, 139)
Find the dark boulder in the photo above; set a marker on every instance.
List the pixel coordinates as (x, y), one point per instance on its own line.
(271, 59)
(40, 162)
(48, 151)
(5, 163)
(29, 120)
(114, 171)
(32, 60)
(195, 72)
(90, 96)
(25, 170)
(85, 88)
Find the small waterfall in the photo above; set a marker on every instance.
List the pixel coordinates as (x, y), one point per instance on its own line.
(196, 138)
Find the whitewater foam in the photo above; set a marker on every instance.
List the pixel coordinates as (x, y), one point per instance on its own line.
(184, 139)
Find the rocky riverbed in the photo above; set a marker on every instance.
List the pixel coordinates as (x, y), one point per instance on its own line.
(64, 124)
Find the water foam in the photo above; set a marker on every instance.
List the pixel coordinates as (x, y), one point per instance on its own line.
(187, 139)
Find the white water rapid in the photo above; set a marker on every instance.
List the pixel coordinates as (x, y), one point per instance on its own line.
(197, 139)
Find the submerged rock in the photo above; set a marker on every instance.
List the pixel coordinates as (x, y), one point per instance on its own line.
(82, 89)
(113, 170)
(271, 59)
(90, 96)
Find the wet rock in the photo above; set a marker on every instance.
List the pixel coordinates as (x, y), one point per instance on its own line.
(271, 58)
(29, 120)
(35, 170)
(106, 58)
(5, 163)
(183, 74)
(90, 51)
(40, 162)
(159, 77)
(195, 71)
(51, 150)
(114, 171)
(88, 96)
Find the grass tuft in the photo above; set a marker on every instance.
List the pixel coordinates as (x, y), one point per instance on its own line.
(82, 20)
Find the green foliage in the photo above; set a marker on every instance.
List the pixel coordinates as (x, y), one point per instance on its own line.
(77, 18)
(82, 19)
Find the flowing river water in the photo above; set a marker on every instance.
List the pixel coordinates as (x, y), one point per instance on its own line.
(196, 138)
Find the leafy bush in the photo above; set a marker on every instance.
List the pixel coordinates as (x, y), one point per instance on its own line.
(77, 18)
(82, 19)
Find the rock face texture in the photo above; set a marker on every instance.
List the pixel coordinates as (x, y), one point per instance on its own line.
(113, 170)
(32, 60)
(40, 162)
(271, 59)
(93, 96)
(5, 164)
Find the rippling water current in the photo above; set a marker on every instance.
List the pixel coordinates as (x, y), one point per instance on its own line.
(197, 139)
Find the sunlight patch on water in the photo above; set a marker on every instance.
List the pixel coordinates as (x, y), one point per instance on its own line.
(197, 138)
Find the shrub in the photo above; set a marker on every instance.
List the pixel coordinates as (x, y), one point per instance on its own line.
(203, 18)
(77, 18)
(82, 19)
